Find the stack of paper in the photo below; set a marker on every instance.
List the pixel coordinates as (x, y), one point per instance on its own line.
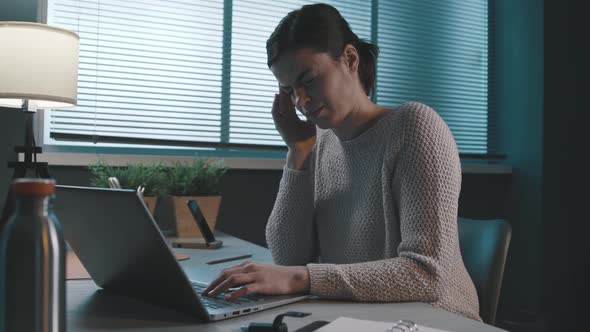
(345, 324)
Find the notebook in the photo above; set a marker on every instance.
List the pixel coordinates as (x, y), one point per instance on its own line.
(121, 247)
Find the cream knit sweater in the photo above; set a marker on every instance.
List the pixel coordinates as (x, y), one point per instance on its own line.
(375, 217)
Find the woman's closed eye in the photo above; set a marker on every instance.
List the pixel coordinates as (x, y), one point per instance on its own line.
(290, 91)
(287, 90)
(309, 81)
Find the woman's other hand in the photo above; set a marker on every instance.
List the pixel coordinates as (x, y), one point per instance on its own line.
(297, 134)
(259, 278)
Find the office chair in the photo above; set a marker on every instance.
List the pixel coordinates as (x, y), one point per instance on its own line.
(484, 245)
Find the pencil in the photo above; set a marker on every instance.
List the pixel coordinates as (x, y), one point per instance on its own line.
(229, 259)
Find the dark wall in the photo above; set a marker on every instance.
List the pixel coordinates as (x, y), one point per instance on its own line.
(519, 102)
(12, 133)
(543, 117)
(566, 227)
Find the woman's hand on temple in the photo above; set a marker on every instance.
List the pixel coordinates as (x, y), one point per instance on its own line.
(259, 278)
(293, 130)
(299, 135)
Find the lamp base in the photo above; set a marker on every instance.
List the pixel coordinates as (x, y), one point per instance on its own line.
(41, 169)
(21, 168)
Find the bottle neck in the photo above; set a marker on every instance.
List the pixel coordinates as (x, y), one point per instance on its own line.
(32, 205)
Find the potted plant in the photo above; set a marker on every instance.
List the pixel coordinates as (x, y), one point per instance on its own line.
(132, 176)
(198, 180)
(167, 189)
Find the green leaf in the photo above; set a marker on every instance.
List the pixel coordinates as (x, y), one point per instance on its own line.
(198, 177)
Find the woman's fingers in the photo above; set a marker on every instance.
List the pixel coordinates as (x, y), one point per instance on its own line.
(243, 291)
(226, 273)
(275, 106)
(286, 102)
(231, 282)
(282, 107)
(291, 128)
(277, 113)
(212, 285)
(222, 276)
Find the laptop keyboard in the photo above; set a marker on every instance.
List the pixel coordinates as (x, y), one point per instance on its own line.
(218, 302)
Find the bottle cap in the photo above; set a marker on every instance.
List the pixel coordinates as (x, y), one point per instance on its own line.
(33, 187)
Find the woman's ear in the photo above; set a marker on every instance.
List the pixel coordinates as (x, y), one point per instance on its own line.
(350, 57)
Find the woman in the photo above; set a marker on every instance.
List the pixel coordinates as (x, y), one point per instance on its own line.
(367, 206)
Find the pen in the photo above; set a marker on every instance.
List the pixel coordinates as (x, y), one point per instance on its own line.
(229, 259)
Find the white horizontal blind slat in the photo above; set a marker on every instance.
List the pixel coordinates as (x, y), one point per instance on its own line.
(148, 69)
(152, 68)
(436, 52)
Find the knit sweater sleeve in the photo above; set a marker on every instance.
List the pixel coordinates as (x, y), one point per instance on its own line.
(290, 232)
(426, 184)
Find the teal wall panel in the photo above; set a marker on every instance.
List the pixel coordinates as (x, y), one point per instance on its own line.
(18, 10)
(519, 103)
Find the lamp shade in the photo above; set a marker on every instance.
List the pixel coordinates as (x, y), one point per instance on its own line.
(38, 63)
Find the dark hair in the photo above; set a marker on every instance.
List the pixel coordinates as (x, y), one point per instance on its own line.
(322, 28)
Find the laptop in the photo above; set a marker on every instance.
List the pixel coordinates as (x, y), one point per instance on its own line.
(123, 250)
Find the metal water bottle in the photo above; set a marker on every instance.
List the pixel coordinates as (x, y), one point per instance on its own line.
(32, 262)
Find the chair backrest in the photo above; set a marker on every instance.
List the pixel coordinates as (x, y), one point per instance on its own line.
(484, 245)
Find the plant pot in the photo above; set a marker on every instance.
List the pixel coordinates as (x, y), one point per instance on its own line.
(162, 210)
(186, 226)
(150, 201)
(163, 214)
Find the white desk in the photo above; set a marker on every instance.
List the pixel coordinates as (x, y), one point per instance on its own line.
(91, 309)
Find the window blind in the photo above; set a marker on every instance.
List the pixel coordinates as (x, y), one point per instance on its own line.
(436, 52)
(162, 70)
(148, 69)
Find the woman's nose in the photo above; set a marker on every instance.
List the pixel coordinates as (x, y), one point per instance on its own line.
(301, 99)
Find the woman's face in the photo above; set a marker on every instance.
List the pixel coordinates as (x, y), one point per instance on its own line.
(320, 87)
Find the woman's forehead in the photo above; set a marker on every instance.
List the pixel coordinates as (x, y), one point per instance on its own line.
(290, 65)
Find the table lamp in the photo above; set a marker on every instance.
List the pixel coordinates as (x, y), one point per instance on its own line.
(38, 70)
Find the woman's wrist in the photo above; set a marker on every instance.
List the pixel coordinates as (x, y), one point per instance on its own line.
(299, 155)
(300, 282)
(297, 161)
